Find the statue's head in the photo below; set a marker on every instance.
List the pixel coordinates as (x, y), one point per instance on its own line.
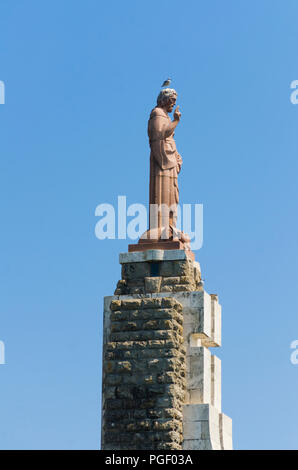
(167, 99)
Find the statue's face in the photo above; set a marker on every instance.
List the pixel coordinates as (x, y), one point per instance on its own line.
(169, 105)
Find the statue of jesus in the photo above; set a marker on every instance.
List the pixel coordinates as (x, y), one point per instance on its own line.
(165, 165)
(165, 162)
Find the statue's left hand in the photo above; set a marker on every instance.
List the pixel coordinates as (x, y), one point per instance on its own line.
(179, 162)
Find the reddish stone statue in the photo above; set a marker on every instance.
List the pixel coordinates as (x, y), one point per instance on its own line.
(165, 161)
(165, 165)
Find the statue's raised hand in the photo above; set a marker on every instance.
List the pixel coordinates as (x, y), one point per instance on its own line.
(177, 114)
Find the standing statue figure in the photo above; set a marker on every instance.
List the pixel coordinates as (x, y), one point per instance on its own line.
(165, 161)
(165, 165)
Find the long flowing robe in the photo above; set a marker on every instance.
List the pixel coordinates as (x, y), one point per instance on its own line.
(165, 164)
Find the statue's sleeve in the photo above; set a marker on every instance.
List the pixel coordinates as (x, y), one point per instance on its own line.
(157, 127)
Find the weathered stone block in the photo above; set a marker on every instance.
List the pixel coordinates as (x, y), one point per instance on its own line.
(123, 367)
(135, 270)
(115, 305)
(152, 284)
(167, 289)
(152, 303)
(113, 379)
(170, 281)
(130, 304)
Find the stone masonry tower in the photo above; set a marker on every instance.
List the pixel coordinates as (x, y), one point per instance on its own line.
(161, 385)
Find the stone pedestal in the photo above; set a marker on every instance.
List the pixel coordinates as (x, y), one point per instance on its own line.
(161, 384)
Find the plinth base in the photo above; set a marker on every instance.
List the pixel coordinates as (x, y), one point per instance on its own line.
(161, 245)
(161, 381)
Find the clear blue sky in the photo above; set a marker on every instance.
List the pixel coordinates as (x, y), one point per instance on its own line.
(81, 78)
